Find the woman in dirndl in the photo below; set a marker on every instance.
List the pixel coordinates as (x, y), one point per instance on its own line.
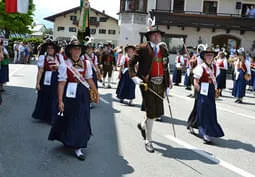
(205, 83)
(126, 87)
(4, 71)
(242, 69)
(47, 84)
(222, 63)
(73, 127)
(252, 66)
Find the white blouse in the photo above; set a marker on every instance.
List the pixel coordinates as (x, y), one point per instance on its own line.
(62, 70)
(40, 62)
(198, 71)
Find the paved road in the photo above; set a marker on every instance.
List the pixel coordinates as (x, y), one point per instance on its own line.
(116, 148)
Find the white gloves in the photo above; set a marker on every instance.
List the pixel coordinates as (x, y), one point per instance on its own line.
(168, 91)
(137, 80)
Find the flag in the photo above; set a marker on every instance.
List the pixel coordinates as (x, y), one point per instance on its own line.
(16, 6)
(84, 18)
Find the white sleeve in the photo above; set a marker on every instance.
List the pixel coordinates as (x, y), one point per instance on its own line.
(62, 71)
(198, 71)
(217, 71)
(122, 60)
(61, 58)
(226, 64)
(89, 73)
(5, 51)
(40, 62)
(182, 60)
(248, 66)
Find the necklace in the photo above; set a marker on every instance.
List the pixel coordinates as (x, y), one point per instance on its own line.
(76, 63)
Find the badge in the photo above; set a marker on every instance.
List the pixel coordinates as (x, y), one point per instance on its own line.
(71, 90)
(47, 78)
(204, 88)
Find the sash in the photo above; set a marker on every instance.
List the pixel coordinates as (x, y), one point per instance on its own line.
(92, 64)
(77, 74)
(210, 72)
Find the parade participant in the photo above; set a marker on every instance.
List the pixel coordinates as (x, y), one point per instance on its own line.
(177, 74)
(206, 85)
(72, 127)
(222, 63)
(4, 72)
(47, 83)
(92, 58)
(187, 82)
(152, 70)
(108, 63)
(242, 69)
(126, 87)
(253, 73)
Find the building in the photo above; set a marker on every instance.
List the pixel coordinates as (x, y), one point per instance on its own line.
(218, 22)
(103, 28)
(37, 30)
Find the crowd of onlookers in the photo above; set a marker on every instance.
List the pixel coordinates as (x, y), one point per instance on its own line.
(22, 52)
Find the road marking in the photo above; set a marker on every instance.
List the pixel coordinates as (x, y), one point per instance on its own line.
(219, 107)
(211, 157)
(104, 101)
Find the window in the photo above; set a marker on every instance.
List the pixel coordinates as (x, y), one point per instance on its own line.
(102, 31)
(178, 6)
(61, 28)
(72, 29)
(92, 19)
(133, 5)
(103, 19)
(210, 7)
(93, 31)
(111, 32)
(73, 18)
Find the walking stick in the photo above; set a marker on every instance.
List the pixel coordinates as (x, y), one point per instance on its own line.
(146, 88)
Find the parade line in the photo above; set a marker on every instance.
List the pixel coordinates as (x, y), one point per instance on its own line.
(211, 157)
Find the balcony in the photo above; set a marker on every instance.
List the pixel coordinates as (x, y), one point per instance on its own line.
(202, 20)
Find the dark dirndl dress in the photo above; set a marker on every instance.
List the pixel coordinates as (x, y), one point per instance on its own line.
(126, 87)
(253, 79)
(177, 75)
(187, 80)
(74, 128)
(46, 107)
(221, 79)
(153, 105)
(192, 120)
(4, 71)
(239, 85)
(95, 77)
(207, 115)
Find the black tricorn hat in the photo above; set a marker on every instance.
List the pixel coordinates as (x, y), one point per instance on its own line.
(49, 42)
(208, 50)
(73, 43)
(129, 46)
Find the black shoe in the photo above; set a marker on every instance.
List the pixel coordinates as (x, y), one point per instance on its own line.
(109, 86)
(121, 101)
(139, 126)
(149, 147)
(81, 157)
(187, 88)
(159, 119)
(237, 101)
(240, 102)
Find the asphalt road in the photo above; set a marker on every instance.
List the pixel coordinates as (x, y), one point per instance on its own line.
(116, 148)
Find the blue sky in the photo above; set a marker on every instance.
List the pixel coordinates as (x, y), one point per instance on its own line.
(45, 8)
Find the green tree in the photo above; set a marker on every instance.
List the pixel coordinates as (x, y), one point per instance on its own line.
(16, 23)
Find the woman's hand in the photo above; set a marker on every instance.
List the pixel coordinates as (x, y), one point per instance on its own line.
(61, 106)
(38, 87)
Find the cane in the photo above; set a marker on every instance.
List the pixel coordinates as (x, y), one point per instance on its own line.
(171, 116)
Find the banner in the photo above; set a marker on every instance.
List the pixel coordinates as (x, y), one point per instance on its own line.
(16, 6)
(84, 18)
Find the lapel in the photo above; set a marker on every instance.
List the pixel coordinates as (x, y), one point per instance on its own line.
(150, 52)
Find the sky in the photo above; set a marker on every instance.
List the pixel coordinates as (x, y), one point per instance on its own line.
(45, 8)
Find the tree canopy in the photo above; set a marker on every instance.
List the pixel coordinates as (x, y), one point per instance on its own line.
(16, 23)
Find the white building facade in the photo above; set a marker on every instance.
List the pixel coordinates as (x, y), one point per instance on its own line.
(217, 22)
(103, 28)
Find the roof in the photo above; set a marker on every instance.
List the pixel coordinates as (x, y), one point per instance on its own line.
(38, 27)
(53, 17)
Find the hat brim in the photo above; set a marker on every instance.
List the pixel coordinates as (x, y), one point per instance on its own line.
(67, 49)
(129, 47)
(148, 33)
(202, 54)
(45, 46)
